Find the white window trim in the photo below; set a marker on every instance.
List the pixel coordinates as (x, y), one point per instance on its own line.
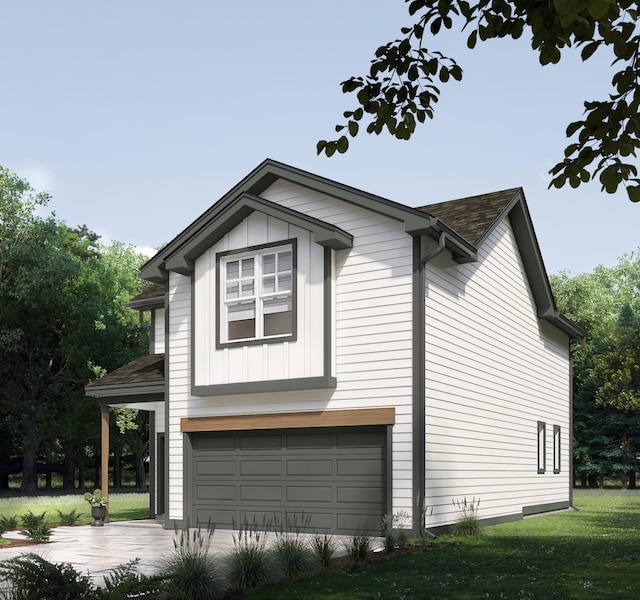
(258, 296)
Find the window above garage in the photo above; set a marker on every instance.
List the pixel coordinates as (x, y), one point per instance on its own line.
(257, 295)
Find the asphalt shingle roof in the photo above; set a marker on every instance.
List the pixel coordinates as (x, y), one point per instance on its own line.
(146, 369)
(472, 216)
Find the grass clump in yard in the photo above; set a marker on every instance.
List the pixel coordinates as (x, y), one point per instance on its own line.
(191, 571)
(250, 563)
(588, 554)
(468, 522)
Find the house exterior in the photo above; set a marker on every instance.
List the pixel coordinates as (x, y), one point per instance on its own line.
(321, 351)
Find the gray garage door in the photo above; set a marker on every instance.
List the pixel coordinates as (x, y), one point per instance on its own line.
(334, 478)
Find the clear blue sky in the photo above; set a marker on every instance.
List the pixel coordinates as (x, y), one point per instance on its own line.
(138, 115)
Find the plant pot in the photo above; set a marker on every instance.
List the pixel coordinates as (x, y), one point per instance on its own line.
(98, 513)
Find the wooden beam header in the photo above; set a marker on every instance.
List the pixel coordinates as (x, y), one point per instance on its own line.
(328, 418)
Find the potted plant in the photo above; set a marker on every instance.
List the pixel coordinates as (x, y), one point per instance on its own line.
(98, 504)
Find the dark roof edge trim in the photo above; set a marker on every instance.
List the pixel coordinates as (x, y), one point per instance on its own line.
(124, 389)
(259, 180)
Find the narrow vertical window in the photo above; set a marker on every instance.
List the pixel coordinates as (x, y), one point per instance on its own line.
(542, 442)
(556, 448)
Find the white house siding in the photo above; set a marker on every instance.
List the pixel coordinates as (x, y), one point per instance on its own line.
(158, 331)
(287, 360)
(373, 318)
(373, 333)
(493, 370)
(178, 379)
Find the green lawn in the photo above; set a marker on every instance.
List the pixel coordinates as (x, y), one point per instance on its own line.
(591, 553)
(122, 507)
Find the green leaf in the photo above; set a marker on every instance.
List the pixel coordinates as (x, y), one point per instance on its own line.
(598, 8)
(353, 128)
(444, 74)
(320, 146)
(589, 49)
(634, 193)
(343, 144)
(472, 39)
(573, 127)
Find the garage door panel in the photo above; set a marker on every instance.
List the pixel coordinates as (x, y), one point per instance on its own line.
(361, 439)
(260, 442)
(358, 467)
(216, 467)
(312, 494)
(309, 467)
(204, 443)
(358, 522)
(215, 492)
(361, 495)
(333, 479)
(261, 467)
(316, 441)
(261, 493)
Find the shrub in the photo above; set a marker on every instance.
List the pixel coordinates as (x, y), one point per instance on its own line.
(191, 571)
(70, 518)
(30, 520)
(292, 552)
(468, 523)
(31, 577)
(8, 524)
(35, 527)
(249, 563)
(125, 581)
(324, 547)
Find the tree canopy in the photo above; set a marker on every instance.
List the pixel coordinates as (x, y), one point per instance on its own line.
(402, 85)
(62, 321)
(606, 403)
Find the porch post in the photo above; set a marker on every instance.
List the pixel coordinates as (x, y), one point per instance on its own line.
(104, 452)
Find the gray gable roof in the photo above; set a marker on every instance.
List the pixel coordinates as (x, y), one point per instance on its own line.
(463, 225)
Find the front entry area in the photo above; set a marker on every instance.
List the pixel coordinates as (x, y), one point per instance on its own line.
(333, 479)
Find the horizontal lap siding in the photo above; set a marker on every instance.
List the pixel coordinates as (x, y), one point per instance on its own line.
(179, 384)
(493, 370)
(372, 331)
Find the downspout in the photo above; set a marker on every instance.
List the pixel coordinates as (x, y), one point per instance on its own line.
(419, 413)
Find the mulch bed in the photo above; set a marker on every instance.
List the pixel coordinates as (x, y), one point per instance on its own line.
(16, 543)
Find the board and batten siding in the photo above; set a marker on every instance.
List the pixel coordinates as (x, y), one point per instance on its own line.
(372, 338)
(300, 358)
(493, 370)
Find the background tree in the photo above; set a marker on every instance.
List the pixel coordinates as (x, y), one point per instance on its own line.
(606, 303)
(62, 320)
(402, 85)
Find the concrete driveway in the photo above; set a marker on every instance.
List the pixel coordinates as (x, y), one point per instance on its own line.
(97, 550)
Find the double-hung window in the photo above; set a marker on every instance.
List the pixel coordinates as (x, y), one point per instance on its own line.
(257, 294)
